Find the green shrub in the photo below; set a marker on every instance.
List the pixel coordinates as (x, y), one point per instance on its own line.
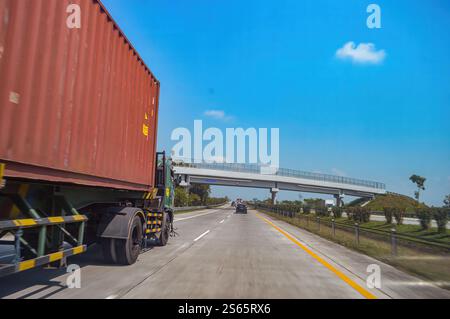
(322, 211)
(337, 212)
(441, 217)
(424, 215)
(365, 212)
(307, 209)
(361, 215)
(181, 197)
(399, 214)
(194, 200)
(388, 214)
(350, 211)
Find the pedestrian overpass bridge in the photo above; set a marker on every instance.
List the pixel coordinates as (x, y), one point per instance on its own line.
(256, 176)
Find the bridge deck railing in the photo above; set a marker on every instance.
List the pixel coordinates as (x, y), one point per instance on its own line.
(259, 169)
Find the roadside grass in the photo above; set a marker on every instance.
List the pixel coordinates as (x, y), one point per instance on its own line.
(391, 200)
(429, 263)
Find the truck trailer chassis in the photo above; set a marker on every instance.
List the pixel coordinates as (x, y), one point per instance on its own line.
(122, 226)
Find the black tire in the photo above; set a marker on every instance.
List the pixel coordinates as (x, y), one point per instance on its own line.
(163, 237)
(128, 250)
(109, 250)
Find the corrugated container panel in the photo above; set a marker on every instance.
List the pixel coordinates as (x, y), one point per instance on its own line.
(76, 105)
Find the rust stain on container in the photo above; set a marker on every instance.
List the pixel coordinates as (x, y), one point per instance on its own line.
(76, 105)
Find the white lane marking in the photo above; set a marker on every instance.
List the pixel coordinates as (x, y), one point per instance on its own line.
(202, 235)
(221, 222)
(111, 297)
(199, 215)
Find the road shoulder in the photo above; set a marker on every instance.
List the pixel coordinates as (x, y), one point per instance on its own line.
(394, 283)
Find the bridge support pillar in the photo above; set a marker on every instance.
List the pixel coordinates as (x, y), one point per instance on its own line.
(185, 181)
(274, 192)
(339, 202)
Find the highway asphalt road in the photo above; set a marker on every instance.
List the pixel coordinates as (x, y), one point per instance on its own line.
(219, 254)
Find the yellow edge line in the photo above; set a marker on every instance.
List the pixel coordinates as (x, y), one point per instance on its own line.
(338, 273)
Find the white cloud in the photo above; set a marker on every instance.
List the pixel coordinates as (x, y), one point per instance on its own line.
(364, 53)
(217, 114)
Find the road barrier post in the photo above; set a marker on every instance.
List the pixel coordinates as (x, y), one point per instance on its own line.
(394, 242)
(333, 227)
(357, 233)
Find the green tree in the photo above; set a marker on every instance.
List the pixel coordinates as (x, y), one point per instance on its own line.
(420, 182)
(388, 214)
(202, 191)
(441, 217)
(399, 214)
(315, 202)
(181, 197)
(194, 200)
(447, 201)
(425, 216)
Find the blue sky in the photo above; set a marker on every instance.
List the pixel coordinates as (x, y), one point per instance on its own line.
(274, 64)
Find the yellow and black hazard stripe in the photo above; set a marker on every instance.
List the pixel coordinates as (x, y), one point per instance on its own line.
(2, 170)
(41, 261)
(29, 223)
(2, 173)
(153, 230)
(150, 215)
(150, 195)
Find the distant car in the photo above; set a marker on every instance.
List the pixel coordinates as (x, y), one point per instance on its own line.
(233, 204)
(241, 208)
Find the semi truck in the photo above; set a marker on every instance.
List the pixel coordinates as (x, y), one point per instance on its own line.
(78, 137)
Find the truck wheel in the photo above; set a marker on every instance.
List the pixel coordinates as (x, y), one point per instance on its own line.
(128, 250)
(163, 238)
(109, 250)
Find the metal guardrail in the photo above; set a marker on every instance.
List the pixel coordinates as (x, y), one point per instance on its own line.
(188, 208)
(183, 209)
(388, 236)
(257, 168)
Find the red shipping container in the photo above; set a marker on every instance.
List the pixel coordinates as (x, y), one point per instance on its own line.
(77, 105)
